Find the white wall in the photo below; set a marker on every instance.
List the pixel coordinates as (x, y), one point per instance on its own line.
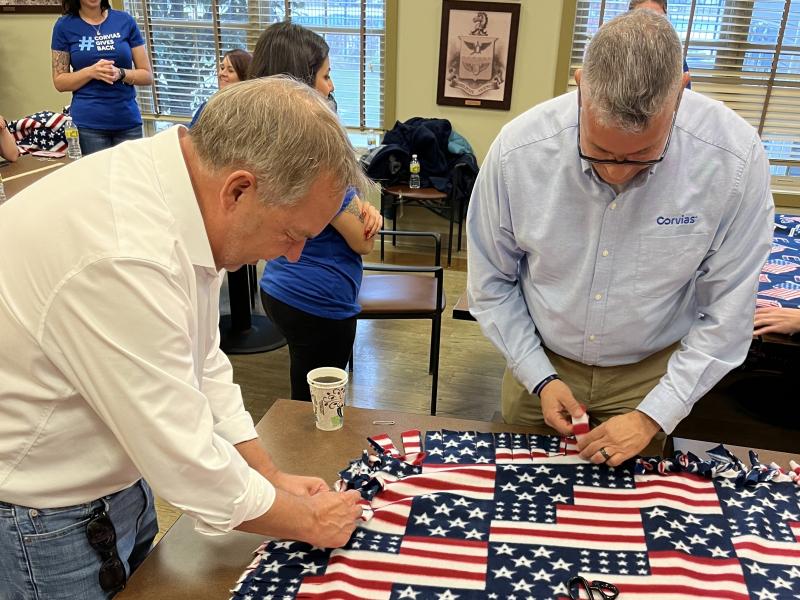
(26, 84)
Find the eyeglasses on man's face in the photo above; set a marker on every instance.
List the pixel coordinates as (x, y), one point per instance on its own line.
(611, 161)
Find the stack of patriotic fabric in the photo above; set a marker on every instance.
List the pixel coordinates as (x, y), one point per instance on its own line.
(41, 131)
(482, 515)
(779, 283)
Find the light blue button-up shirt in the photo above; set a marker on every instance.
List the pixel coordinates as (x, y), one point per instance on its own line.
(556, 255)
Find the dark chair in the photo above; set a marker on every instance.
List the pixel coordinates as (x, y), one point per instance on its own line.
(429, 197)
(408, 292)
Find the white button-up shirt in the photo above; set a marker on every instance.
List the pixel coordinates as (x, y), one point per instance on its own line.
(608, 279)
(110, 367)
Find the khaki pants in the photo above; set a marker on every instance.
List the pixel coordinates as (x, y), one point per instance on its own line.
(605, 391)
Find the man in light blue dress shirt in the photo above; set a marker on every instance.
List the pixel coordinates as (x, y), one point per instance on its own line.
(616, 237)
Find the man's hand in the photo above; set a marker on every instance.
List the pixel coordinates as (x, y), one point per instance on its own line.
(621, 437)
(334, 517)
(559, 405)
(325, 519)
(299, 485)
(777, 320)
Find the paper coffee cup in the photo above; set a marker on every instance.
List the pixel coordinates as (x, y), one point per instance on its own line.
(327, 385)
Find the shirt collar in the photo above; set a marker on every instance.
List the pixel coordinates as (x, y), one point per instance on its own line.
(179, 196)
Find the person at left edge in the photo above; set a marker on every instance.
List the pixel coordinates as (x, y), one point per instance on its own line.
(99, 56)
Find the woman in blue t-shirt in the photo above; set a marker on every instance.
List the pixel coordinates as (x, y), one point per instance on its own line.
(99, 56)
(314, 301)
(233, 68)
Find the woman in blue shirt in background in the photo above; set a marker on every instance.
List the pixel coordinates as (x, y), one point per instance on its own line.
(314, 302)
(106, 54)
(233, 68)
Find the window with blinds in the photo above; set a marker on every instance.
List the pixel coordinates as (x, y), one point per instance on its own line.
(187, 38)
(745, 53)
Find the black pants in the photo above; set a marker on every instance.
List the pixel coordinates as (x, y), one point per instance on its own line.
(313, 341)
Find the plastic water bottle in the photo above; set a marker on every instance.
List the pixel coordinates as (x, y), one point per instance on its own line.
(372, 139)
(2, 191)
(413, 168)
(73, 142)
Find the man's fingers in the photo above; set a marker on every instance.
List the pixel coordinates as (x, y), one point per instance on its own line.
(352, 495)
(574, 408)
(599, 452)
(558, 421)
(321, 486)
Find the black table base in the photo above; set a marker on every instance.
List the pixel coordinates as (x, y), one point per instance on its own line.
(261, 336)
(242, 332)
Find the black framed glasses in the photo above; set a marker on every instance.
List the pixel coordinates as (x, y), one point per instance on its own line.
(593, 590)
(611, 161)
(103, 539)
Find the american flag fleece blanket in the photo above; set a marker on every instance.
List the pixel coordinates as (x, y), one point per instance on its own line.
(41, 131)
(779, 282)
(467, 515)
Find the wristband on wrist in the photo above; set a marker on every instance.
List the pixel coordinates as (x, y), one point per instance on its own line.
(540, 386)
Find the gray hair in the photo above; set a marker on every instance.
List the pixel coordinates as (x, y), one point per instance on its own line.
(636, 3)
(633, 66)
(280, 130)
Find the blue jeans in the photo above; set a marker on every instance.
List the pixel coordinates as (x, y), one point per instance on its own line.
(45, 554)
(94, 140)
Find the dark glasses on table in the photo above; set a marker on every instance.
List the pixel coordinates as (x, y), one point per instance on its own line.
(103, 539)
(593, 590)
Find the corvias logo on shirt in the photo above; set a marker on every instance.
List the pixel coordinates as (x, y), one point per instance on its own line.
(106, 41)
(677, 220)
(101, 42)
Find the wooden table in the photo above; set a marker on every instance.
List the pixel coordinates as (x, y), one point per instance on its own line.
(26, 170)
(188, 565)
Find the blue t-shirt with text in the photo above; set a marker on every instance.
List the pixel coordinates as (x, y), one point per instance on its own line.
(99, 105)
(325, 281)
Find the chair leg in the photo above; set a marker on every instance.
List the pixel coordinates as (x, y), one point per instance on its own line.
(394, 225)
(460, 222)
(383, 210)
(435, 338)
(450, 238)
(434, 345)
(252, 280)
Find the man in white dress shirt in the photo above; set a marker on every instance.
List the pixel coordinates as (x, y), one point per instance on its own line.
(616, 237)
(109, 346)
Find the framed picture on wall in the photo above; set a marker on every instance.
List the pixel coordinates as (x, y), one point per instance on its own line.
(476, 53)
(30, 6)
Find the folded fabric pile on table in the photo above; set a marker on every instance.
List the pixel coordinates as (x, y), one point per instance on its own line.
(506, 515)
(779, 282)
(42, 131)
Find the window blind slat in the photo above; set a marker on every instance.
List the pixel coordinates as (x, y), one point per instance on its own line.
(184, 38)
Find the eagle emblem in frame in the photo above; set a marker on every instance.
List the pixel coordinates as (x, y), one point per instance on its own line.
(476, 54)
